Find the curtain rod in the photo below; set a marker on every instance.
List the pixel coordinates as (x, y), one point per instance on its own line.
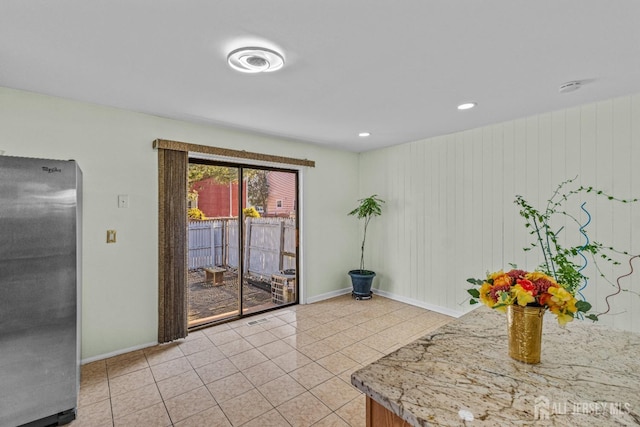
(228, 152)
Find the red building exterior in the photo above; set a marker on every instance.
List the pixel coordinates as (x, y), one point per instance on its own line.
(282, 194)
(219, 200)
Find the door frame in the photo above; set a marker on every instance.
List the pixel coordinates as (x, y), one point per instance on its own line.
(241, 164)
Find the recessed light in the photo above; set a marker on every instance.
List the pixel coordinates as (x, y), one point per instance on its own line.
(364, 134)
(255, 60)
(467, 105)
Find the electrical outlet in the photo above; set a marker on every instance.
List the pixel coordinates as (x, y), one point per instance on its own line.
(111, 236)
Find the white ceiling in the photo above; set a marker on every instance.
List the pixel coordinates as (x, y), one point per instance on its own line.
(397, 69)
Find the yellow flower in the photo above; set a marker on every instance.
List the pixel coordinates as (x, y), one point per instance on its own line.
(503, 308)
(495, 297)
(563, 304)
(495, 275)
(524, 297)
(563, 316)
(485, 295)
(560, 296)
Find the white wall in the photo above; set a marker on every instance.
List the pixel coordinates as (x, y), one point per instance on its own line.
(450, 213)
(114, 149)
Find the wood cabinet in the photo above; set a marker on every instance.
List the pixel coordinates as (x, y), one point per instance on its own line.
(379, 416)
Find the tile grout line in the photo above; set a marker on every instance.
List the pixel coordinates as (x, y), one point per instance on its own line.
(296, 316)
(155, 381)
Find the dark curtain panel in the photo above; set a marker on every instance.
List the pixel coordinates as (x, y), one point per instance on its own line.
(172, 246)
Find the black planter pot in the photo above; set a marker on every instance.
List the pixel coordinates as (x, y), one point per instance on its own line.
(361, 281)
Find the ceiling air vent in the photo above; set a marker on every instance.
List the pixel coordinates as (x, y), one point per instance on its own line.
(570, 86)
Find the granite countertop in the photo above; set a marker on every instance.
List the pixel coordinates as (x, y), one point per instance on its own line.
(589, 375)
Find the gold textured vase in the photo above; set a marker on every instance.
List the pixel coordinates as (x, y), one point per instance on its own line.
(524, 327)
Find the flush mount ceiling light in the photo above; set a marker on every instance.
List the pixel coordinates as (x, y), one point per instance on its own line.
(467, 106)
(255, 60)
(364, 134)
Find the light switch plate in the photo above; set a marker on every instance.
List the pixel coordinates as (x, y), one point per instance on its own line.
(111, 236)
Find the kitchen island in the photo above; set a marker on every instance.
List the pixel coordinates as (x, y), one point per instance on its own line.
(461, 374)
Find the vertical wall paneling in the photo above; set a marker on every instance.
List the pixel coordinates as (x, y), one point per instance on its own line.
(450, 213)
(621, 186)
(558, 171)
(545, 178)
(396, 200)
(448, 193)
(497, 193)
(602, 209)
(433, 243)
(430, 217)
(403, 238)
(475, 239)
(511, 167)
(532, 157)
(573, 147)
(469, 209)
(573, 152)
(409, 215)
(634, 161)
(557, 155)
(588, 175)
(459, 209)
(417, 195)
(522, 163)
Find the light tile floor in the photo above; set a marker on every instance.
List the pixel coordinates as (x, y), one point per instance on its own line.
(294, 369)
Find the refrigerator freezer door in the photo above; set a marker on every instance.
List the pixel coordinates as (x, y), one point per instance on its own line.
(38, 289)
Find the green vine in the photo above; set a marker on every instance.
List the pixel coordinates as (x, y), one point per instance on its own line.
(559, 260)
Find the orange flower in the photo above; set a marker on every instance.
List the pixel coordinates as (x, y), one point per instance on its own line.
(543, 299)
(502, 280)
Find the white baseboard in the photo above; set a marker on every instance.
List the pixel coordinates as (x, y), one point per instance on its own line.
(417, 303)
(410, 301)
(328, 295)
(116, 353)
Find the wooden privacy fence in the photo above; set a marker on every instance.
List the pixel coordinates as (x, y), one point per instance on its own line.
(270, 244)
(205, 241)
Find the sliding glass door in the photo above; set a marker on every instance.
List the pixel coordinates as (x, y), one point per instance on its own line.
(270, 232)
(242, 240)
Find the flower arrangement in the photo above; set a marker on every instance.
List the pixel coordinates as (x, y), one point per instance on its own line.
(557, 283)
(524, 288)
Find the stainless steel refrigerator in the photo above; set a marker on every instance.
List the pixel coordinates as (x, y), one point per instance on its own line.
(40, 213)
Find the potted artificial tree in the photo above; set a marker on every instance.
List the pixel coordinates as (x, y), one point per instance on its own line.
(362, 279)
